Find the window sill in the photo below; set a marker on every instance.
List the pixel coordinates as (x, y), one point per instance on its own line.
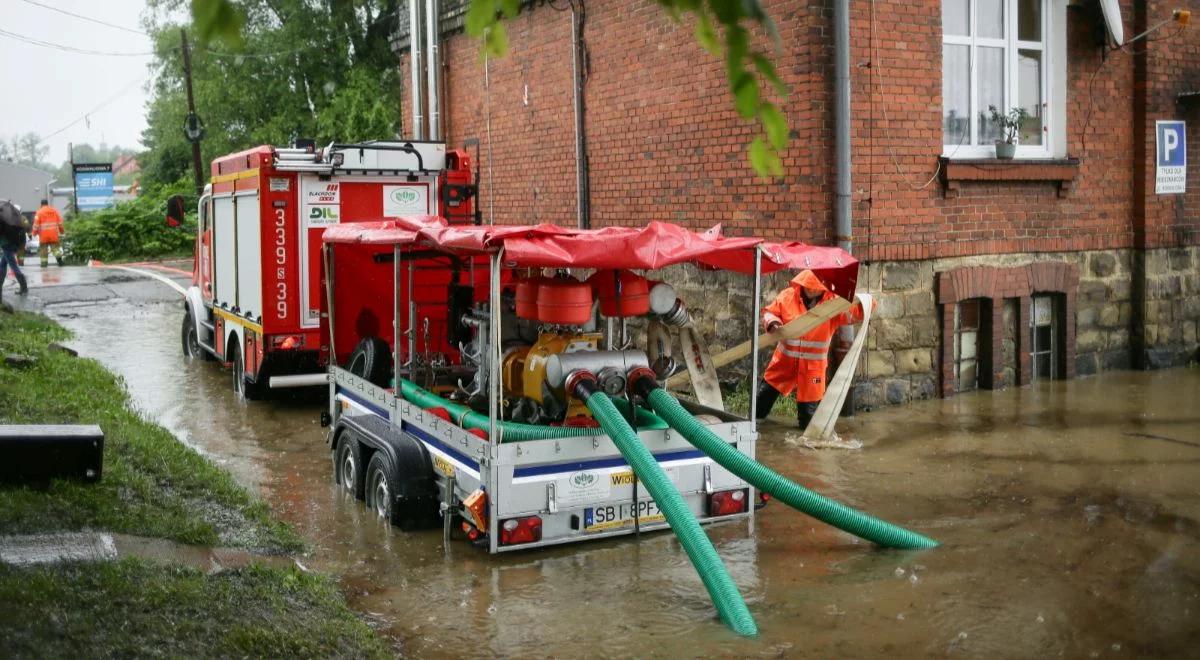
(1061, 171)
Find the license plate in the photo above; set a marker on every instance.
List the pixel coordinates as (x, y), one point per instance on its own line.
(616, 516)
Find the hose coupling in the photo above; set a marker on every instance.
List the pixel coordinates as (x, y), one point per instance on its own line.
(641, 381)
(582, 383)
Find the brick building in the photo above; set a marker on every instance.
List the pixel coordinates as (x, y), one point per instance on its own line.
(1061, 263)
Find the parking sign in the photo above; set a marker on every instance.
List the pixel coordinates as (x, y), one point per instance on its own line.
(1170, 175)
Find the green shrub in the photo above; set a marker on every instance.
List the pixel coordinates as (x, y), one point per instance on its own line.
(135, 229)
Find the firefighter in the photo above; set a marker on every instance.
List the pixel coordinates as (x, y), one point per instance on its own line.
(800, 364)
(48, 225)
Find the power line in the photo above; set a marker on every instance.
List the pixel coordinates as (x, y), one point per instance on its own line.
(94, 110)
(69, 49)
(85, 18)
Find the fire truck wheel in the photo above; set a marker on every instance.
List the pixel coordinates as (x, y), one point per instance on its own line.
(381, 488)
(243, 388)
(371, 360)
(191, 341)
(347, 465)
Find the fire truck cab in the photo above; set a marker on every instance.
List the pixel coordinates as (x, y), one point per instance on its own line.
(255, 299)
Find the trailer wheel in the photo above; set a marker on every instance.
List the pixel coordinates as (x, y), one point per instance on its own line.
(347, 465)
(371, 360)
(243, 388)
(192, 349)
(381, 487)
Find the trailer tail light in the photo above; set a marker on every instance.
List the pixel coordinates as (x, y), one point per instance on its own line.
(520, 530)
(727, 502)
(287, 342)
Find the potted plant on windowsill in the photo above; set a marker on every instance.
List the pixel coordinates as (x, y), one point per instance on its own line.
(1009, 124)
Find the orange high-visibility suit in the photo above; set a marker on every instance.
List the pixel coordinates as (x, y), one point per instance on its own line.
(48, 225)
(800, 364)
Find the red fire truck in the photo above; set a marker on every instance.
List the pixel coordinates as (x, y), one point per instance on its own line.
(255, 298)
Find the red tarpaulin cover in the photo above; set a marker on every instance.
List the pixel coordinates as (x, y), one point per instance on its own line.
(653, 246)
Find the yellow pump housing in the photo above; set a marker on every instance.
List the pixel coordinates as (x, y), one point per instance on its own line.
(554, 343)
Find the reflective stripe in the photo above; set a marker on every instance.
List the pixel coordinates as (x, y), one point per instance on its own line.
(802, 356)
(806, 344)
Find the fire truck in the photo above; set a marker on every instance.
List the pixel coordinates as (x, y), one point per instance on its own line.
(255, 299)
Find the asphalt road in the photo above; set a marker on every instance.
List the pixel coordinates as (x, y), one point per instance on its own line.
(134, 284)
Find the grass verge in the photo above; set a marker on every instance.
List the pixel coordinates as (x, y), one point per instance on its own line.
(135, 608)
(152, 486)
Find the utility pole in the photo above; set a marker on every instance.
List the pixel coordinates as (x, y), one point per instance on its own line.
(74, 185)
(192, 127)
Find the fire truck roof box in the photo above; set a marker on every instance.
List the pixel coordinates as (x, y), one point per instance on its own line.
(390, 155)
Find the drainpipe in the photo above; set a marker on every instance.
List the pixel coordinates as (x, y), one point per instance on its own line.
(433, 66)
(841, 112)
(583, 207)
(415, 61)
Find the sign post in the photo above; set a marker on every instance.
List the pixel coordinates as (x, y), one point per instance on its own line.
(93, 186)
(1170, 172)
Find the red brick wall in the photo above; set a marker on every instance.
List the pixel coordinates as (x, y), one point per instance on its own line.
(665, 143)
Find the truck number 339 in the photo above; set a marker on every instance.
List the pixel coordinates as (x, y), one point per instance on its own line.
(281, 293)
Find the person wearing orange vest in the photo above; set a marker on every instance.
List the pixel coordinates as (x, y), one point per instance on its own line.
(800, 364)
(48, 225)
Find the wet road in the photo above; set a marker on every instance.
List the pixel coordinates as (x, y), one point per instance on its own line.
(1069, 511)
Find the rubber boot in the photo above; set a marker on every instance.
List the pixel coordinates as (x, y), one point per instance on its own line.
(767, 394)
(23, 284)
(804, 412)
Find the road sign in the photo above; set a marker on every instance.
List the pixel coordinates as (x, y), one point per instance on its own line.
(93, 186)
(1170, 174)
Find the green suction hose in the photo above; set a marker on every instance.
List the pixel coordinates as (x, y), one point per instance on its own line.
(721, 589)
(512, 431)
(785, 490)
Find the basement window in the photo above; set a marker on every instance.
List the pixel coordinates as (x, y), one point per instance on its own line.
(1045, 346)
(1003, 53)
(967, 343)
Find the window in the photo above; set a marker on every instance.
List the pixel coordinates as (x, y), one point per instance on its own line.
(967, 342)
(1045, 348)
(1003, 53)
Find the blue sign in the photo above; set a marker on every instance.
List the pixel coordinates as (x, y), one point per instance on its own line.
(93, 186)
(1170, 173)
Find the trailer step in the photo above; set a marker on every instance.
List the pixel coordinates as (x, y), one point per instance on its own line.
(301, 380)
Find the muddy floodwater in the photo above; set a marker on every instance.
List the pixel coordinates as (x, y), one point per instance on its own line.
(1069, 514)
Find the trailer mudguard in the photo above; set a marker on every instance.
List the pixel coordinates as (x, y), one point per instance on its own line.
(417, 491)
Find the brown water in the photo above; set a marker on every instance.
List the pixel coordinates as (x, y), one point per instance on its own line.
(1069, 513)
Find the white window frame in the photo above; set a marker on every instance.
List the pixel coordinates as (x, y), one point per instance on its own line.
(1054, 65)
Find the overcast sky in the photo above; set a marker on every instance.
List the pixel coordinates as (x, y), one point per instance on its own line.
(45, 89)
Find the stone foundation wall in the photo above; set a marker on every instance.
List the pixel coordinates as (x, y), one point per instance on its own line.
(902, 361)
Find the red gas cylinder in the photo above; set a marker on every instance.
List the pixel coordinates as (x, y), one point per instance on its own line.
(527, 297)
(438, 411)
(621, 293)
(568, 302)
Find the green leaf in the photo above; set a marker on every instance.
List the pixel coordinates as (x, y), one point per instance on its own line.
(737, 43)
(480, 16)
(495, 40)
(764, 160)
(775, 124)
(218, 20)
(510, 7)
(706, 35)
(745, 93)
(767, 70)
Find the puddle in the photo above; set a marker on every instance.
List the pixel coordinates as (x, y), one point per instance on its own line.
(1067, 528)
(36, 549)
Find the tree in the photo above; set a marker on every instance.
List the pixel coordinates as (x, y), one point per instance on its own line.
(26, 149)
(723, 28)
(317, 69)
